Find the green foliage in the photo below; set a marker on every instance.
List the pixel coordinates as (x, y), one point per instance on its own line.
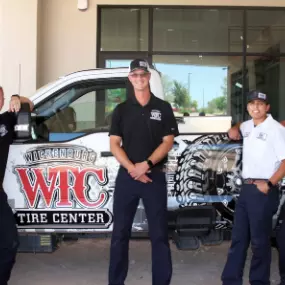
(182, 98)
(175, 92)
(167, 84)
(218, 105)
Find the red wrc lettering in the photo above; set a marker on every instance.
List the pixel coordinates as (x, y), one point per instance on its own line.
(54, 187)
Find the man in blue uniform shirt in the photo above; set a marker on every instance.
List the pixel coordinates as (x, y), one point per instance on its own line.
(263, 167)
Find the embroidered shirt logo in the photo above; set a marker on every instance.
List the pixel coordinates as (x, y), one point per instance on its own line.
(155, 115)
(3, 130)
(262, 136)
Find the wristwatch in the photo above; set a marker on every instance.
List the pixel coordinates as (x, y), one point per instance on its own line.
(269, 183)
(150, 164)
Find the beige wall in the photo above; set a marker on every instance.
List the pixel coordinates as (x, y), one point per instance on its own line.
(18, 46)
(195, 2)
(68, 38)
(49, 38)
(1, 42)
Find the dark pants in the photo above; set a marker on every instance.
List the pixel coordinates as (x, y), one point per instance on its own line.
(126, 199)
(280, 238)
(252, 223)
(8, 239)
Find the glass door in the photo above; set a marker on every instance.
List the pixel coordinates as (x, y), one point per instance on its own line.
(113, 60)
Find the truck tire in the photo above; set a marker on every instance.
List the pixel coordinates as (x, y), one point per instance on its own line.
(210, 165)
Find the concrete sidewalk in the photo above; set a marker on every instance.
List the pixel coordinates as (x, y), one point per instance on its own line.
(85, 262)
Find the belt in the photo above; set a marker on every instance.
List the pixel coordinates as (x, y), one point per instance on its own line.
(253, 180)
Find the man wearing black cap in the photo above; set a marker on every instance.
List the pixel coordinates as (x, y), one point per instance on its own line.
(263, 167)
(142, 133)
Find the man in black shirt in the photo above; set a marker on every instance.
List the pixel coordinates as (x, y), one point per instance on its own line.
(142, 133)
(8, 229)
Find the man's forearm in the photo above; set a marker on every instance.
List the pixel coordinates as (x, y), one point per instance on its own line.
(161, 151)
(121, 156)
(279, 174)
(237, 125)
(27, 100)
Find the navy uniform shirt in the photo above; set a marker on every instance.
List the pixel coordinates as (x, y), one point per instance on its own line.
(7, 123)
(142, 128)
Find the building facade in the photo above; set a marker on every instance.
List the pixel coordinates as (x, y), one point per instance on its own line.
(213, 50)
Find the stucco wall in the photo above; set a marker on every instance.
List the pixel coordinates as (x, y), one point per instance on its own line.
(67, 40)
(195, 2)
(18, 46)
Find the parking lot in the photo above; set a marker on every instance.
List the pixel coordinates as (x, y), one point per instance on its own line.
(85, 262)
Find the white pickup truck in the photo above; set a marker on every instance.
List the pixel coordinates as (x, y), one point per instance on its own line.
(60, 176)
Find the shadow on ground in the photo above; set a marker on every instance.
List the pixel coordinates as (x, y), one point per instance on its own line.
(85, 262)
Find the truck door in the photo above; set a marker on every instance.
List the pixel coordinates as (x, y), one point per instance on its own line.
(63, 179)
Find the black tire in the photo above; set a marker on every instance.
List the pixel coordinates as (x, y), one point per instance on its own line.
(202, 170)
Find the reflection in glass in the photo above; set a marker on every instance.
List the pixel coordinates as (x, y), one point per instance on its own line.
(124, 29)
(267, 75)
(197, 84)
(111, 63)
(266, 31)
(193, 30)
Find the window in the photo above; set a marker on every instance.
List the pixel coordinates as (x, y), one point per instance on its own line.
(124, 29)
(80, 109)
(213, 54)
(266, 73)
(192, 30)
(266, 31)
(198, 85)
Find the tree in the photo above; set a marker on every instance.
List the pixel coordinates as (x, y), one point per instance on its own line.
(167, 84)
(181, 96)
(219, 104)
(194, 104)
(224, 87)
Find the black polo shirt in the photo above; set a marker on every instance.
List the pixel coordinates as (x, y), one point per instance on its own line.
(7, 123)
(142, 128)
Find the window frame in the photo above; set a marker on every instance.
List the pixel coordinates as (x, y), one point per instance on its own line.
(104, 83)
(244, 53)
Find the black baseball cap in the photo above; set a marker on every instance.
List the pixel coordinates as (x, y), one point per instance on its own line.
(256, 95)
(139, 64)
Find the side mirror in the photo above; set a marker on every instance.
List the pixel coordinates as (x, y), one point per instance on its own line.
(24, 123)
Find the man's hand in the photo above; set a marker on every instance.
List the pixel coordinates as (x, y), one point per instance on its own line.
(15, 104)
(138, 170)
(262, 186)
(234, 133)
(144, 179)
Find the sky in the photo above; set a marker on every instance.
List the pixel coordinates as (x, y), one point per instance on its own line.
(201, 78)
